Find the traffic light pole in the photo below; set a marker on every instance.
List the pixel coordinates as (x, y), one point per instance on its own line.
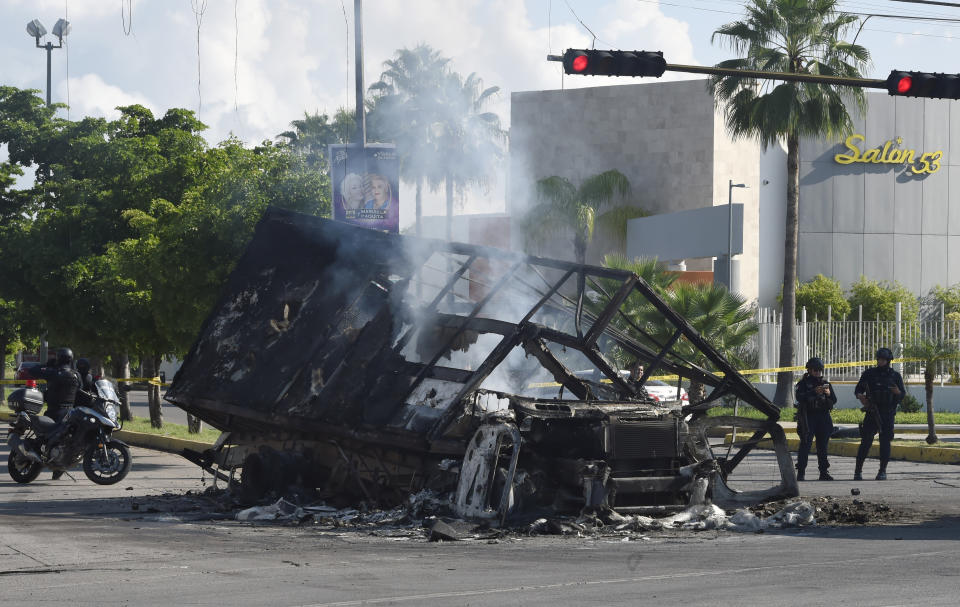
(868, 83)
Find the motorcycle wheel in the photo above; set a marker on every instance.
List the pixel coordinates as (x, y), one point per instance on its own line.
(21, 469)
(109, 468)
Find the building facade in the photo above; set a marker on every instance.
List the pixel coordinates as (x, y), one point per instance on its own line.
(889, 214)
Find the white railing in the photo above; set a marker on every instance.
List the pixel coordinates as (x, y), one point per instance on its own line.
(840, 341)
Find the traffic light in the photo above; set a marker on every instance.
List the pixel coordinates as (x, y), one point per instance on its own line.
(924, 84)
(614, 63)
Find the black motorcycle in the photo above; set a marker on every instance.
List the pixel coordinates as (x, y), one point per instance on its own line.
(38, 442)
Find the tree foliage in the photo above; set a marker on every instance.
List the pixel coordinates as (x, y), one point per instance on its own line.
(132, 225)
(879, 299)
(822, 297)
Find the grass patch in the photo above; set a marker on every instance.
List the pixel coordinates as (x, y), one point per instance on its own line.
(845, 416)
(142, 424)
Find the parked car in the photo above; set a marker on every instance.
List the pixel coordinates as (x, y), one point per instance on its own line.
(25, 371)
(662, 391)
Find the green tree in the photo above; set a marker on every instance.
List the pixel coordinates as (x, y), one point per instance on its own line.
(822, 296)
(312, 134)
(950, 298)
(406, 105)
(796, 36)
(563, 208)
(468, 139)
(879, 300)
(931, 352)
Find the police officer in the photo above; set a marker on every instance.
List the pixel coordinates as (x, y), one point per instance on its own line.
(62, 384)
(86, 379)
(880, 389)
(815, 399)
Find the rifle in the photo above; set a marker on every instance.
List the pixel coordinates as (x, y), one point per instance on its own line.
(871, 407)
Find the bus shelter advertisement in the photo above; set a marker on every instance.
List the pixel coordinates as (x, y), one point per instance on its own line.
(366, 185)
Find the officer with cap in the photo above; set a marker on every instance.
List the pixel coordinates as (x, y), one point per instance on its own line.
(815, 399)
(880, 389)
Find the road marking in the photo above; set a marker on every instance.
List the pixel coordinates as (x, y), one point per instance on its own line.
(648, 578)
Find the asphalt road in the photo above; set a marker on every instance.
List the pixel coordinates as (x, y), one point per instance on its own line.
(77, 543)
(171, 413)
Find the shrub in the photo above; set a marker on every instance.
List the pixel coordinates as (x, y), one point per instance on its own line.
(819, 293)
(909, 404)
(881, 297)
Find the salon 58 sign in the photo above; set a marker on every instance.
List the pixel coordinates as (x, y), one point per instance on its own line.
(889, 153)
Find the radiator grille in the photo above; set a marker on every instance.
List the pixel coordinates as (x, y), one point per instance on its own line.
(644, 440)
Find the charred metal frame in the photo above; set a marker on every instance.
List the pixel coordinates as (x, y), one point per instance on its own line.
(380, 254)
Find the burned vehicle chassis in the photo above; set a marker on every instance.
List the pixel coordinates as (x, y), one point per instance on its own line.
(321, 364)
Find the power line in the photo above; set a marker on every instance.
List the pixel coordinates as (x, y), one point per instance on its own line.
(950, 4)
(713, 10)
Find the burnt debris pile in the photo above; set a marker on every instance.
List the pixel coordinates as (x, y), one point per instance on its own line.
(373, 366)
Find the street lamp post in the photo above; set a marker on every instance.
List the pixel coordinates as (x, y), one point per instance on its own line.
(730, 232)
(36, 31)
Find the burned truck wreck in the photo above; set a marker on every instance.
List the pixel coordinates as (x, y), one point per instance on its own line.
(372, 365)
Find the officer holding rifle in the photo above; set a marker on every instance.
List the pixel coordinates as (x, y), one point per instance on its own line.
(880, 389)
(815, 399)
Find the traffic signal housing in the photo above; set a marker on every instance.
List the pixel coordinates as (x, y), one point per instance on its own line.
(924, 84)
(592, 62)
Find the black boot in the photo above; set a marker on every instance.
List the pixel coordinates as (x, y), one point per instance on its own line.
(825, 476)
(858, 471)
(800, 474)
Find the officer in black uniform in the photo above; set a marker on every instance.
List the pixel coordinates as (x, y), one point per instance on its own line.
(86, 379)
(62, 384)
(880, 389)
(815, 399)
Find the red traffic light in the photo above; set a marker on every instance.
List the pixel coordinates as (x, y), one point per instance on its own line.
(580, 63)
(904, 85)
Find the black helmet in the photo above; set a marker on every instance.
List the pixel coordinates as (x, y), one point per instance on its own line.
(885, 353)
(83, 365)
(64, 356)
(815, 363)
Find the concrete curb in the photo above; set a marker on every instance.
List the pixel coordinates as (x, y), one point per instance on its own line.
(847, 448)
(168, 444)
(156, 442)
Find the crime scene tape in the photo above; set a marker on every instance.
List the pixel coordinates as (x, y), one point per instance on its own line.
(771, 370)
(153, 381)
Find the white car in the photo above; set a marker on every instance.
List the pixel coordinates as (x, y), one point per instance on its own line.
(661, 391)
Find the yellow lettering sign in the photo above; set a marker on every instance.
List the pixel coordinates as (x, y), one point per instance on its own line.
(889, 153)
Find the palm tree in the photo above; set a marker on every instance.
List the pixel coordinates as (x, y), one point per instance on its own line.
(796, 36)
(563, 207)
(312, 134)
(467, 139)
(931, 352)
(723, 318)
(405, 106)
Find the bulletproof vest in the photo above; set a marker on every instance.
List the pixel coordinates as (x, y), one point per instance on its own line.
(62, 388)
(879, 381)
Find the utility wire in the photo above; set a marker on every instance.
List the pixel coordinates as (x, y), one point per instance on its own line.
(346, 23)
(932, 2)
(66, 43)
(199, 8)
(236, 60)
(127, 19)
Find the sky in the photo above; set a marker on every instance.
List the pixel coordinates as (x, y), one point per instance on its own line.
(263, 63)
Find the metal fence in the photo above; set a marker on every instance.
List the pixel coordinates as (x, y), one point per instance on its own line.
(849, 341)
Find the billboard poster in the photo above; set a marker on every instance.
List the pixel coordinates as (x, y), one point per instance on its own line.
(366, 185)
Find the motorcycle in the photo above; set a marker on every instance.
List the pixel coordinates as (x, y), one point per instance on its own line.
(38, 442)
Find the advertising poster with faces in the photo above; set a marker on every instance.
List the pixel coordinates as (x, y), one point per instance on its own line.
(366, 185)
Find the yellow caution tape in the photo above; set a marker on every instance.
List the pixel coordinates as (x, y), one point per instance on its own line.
(856, 363)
